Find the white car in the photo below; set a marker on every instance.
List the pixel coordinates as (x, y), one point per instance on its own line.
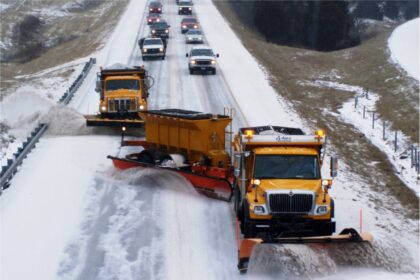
(202, 59)
(194, 37)
(152, 48)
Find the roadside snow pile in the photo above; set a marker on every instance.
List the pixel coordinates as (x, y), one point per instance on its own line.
(400, 159)
(404, 46)
(62, 120)
(22, 111)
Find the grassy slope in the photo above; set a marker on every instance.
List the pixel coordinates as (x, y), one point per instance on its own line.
(89, 27)
(366, 65)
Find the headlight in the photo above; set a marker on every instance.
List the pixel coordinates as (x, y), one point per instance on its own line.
(184, 26)
(195, 26)
(190, 9)
(321, 209)
(150, 19)
(151, 10)
(144, 50)
(141, 107)
(260, 210)
(166, 31)
(192, 61)
(161, 49)
(103, 108)
(213, 62)
(180, 8)
(153, 31)
(190, 38)
(159, 9)
(158, 20)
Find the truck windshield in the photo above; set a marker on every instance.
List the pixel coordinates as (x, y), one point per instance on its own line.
(202, 52)
(286, 167)
(122, 84)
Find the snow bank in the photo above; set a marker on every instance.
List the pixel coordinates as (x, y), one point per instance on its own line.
(404, 46)
(22, 110)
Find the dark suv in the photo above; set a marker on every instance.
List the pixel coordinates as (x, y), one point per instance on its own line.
(160, 29)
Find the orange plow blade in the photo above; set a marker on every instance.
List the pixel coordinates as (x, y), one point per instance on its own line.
(348, 235)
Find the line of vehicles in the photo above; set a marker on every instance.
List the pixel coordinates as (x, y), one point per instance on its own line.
(272, 173)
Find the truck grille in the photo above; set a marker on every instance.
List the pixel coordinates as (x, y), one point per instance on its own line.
(122, 105)
(153, 51)
(286, 203)
(203, 62)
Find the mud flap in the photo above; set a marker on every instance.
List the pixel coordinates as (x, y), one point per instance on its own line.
(213, 187)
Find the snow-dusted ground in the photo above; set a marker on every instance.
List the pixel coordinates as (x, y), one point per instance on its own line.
(401, 158)
(404, 46)
(92, 222)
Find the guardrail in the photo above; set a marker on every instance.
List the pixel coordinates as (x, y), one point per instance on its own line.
(68, 95)
(12, 165)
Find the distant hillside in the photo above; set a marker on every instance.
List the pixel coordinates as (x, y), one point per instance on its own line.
(318, 25)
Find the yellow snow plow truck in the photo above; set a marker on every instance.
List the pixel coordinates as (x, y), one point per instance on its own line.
(123, 93)
(279, 195)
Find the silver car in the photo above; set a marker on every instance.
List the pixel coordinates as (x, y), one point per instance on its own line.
(194, 37)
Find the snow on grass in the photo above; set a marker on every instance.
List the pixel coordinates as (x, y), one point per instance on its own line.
(400, 159)
(404, 46)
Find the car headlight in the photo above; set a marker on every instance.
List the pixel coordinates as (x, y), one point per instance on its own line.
(321, 209)
(192, 61)
(150, 19)
(161, 49)
(213, 62)
(190, 38)
(158, 20)
(260, 210)
(151, 10)
(144, 50)
(141, 107)
(166, 31)
(180, 8)
(184, 26)
(103, 108)
(159, 9)
(153, 31)
(190, 9)
(195, 26)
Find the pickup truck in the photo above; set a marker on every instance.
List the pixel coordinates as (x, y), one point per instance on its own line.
(152, 48)
(202, 59)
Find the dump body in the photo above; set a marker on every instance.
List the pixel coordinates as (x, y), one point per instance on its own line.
(123, 95)
(198, 136)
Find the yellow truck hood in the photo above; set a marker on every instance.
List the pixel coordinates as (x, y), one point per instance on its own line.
(290, 184)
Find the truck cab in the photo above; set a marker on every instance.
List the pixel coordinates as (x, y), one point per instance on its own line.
(123, 92)
(279, 190)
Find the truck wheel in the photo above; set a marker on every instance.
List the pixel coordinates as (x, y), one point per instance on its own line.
(146, 157)
(248, 229)
(163, 57)
(214, 72)
(191, 72)
(144, 58)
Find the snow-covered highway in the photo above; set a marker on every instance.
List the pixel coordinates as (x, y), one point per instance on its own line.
(70, 215)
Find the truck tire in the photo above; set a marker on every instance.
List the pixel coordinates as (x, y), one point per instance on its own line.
(247, 228)
(191, 72)
(213, 72)
(237, 201)
(163, 57)
(144, 58)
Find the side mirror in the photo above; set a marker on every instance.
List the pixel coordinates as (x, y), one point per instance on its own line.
(98, 86)
(186, 55)
(217, 55)
(333, 167)
(237, 165)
